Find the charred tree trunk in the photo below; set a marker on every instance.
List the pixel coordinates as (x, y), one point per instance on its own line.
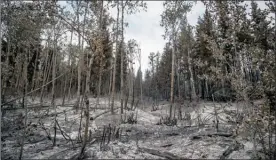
(26, 109)
(193, 92)
(141, 86)
(172, 75)
(115, 61)
(35, 73)
(133, 89)
(122, 61)
(66, 77)
(53, 91)
(110, 84)
(86, 113)
(46, 73)
(101, 52)
(100, 83)
(80, 59)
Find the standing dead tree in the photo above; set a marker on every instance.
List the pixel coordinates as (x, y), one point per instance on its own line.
(26, 108)
(115, 61)
(86, 112)
(170, 20)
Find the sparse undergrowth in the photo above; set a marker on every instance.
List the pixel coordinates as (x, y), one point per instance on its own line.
(157, 135)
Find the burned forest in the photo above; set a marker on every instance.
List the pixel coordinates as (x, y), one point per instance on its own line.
(138, 79)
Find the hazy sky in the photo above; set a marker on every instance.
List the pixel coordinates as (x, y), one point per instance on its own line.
(145, 28)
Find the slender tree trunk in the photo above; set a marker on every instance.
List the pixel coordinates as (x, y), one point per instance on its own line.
(100, 82)
(178, 80)
(179, 94)
(65, 85)
(66, 77)
(35, 73)
(80, 58)
(26, 109)
(122, 61)
(80, 45)
(110, 84)
(80, 126)
(127, 90)
(8, 54)
(141, 81)
(157, 80)
(184, 88)
(206, 88)
(1, 66)
(126, 99)
(70, 83)
(53, 92)
(54, 80)
(41, 72)
(172, 75)
(133, 93)
(193, 92)
(64, 88)
(17, 78)
(274, 74)
(153, 80)
(45, 74)
(115, 61)
(101, 52)
(86, 113)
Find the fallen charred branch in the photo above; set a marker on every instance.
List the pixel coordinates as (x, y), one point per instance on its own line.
(163, 154)
(66, 136)
(230, 149)
(45, 130)
(166, 145)
(44, 149)
(35, 141)
(17, 107)
(53, 114)
(93, 118)
(100, 108)
(198, 136)
(35, 106)
(63, 153)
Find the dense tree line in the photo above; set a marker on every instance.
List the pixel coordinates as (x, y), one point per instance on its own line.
(34, 32)
(228, 55)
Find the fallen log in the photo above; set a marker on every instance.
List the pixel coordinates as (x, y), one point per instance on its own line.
(93, 118)
(100, 108)
(64, 134)
(230, 149)
(163, 154)
(62, 154)
(58, 113)
(43, 149)
(35, 141)
(166, 145)
(172, 134)
(198, 136)
(18, 107)
(36, 106)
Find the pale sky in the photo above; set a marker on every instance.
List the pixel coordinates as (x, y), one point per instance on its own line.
(145, 28)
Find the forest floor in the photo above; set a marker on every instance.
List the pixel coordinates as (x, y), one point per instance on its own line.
(195, 138)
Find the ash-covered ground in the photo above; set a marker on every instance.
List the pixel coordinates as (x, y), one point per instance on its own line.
(194, 136)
